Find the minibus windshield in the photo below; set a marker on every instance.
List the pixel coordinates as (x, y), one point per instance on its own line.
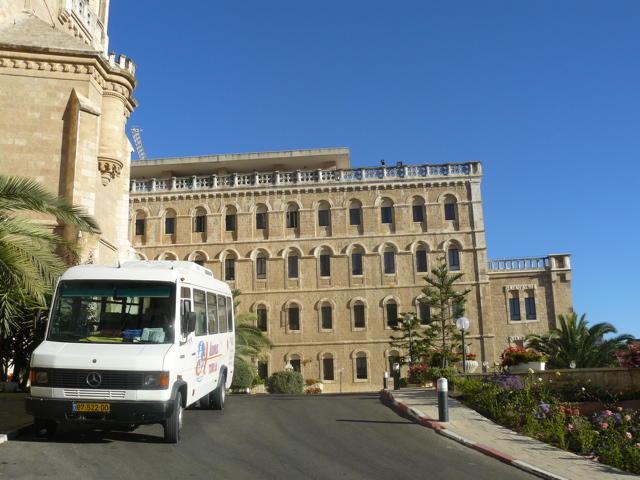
(109, 311)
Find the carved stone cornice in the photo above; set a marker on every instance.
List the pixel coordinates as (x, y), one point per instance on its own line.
(109, 168)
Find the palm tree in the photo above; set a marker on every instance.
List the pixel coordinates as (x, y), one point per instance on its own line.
(575, 342)
(250, 341)
(29, 263)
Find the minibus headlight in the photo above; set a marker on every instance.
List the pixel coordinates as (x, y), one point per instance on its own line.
(153, 380)
(41, 377)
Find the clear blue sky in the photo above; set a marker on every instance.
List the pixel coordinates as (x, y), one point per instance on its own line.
(546, 94)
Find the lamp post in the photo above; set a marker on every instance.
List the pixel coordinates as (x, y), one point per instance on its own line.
(341, 370)
(463, 325)
(288, 367)
(408, 319)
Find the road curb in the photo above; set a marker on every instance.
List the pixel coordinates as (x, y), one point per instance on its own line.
(435, 425)
(15, 432)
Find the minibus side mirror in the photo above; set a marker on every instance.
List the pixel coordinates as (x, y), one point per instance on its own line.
(191, 322)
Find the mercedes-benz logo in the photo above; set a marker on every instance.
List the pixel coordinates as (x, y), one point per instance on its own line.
(94, 379)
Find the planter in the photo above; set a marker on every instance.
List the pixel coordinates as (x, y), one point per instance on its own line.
(471, 366)
(524, 367)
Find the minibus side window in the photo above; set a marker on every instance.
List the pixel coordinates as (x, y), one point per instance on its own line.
(222, 313)
(230, 315)
(212, 313)
(200, 307)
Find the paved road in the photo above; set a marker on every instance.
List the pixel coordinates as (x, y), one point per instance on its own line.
(260, 437)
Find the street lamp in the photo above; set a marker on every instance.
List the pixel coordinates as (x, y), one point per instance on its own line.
(288, 367)
(408, 318)
(463, 325)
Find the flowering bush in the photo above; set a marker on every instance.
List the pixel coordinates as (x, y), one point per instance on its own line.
(528, 406)
(630, 358)
(517, 355)
(471, 356)
(417, 374)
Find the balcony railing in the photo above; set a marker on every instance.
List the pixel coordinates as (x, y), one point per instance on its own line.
(307, 177)
(534, 263)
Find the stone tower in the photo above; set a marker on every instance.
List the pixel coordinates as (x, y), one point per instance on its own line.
(64, 104)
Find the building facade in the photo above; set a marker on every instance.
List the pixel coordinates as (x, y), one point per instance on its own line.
(328, 256)
(65, 103)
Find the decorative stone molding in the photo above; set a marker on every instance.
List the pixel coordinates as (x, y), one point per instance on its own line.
(109, 168)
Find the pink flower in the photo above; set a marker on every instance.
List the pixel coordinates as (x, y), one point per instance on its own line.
(570, 427)
(607, 412)
(638, 445)
(628, 435)
(627, 418)
(605, 425)
(619, 409)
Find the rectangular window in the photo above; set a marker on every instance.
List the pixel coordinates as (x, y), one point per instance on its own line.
(140, 226)
(325, 265)
(387, 215)
(261, 221)
(261, 313)
(358, 316)
(223, 303)
(421, 261)
(530, 308)
(295, 363)
(356, 263)
(454, 259)
(230, 269)
(292, 219)
(425, 314)
(449, 211)
(230, 223)
(261, 268)
(514, 308)
(361, 368)
(327, 369)
(169, 225)
(292, 266)
(198, 223)
(327, 318)
(456, 310)
(212, 313)
(354, 216)
(418, 213)
(263, 369)
(389, 262)
(392, 315)
(200, 309)
(323, 218)
(294, 318)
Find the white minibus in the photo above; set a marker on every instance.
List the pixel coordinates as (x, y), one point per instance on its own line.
(133, 343)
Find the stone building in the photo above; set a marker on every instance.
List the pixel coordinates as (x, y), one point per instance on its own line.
(64, 104)
(327, 256)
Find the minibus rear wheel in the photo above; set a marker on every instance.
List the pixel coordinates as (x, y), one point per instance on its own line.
(218, 396)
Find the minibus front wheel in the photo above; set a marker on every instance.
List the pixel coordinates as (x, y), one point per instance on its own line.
(173, 424)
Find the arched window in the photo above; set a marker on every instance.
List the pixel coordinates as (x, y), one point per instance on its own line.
(417, 210)
(261, 318)
(230, 267)
(450, 208)
(454, 258)
(292, 215)
(421, 260)
(386, 211)
(324, 214)
(389, 261)
(325, 263)
(293, 317)
(357, 261)
(230, 219)
(199, 220)
(140, 223)
(261, 266)
(169, 222)
(361, 366)
(359, 319)
(355, 213)
(328, 373)
(391, 310)
(326, 316)
(261, 217)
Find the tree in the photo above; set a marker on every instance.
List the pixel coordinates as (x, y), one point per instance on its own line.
(446, 303)
(250, 340)
(412, 337)
(30, 260)
(575, 341)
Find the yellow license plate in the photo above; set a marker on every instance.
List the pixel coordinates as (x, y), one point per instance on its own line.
(92, 407)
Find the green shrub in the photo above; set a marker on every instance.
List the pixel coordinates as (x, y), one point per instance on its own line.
(285, 382)
(257, 380)
(242, 376)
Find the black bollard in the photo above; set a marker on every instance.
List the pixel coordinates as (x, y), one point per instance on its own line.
(385, 380)
(443, 400)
